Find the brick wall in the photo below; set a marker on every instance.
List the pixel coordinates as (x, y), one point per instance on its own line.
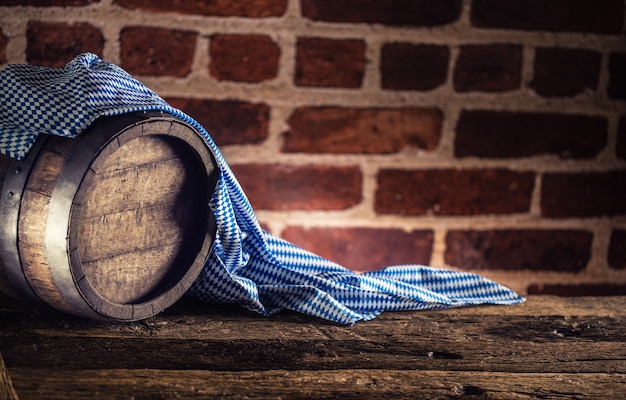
(484, 135)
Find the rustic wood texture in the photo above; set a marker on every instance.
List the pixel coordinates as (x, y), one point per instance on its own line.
(116, 223)
(33, 218)
(129, 231)
(547, 348)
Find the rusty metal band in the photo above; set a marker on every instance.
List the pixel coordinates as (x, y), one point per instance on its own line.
(10, 201)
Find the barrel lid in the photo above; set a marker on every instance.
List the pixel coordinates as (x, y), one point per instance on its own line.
(128, 227)
(140, 226)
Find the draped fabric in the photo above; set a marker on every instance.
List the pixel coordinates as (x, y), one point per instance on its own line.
(246, 265)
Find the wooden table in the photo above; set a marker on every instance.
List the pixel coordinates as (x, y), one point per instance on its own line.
(547, 348)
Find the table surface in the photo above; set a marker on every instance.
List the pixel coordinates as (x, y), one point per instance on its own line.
(546, 348)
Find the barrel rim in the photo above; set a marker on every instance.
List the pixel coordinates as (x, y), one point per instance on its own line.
(74, 289)
(153, 305)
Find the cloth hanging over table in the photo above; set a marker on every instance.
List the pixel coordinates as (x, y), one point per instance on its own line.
(247, 265)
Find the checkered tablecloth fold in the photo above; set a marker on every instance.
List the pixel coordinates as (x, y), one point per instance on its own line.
(247, 265)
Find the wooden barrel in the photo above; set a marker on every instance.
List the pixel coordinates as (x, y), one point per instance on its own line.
(112, 225)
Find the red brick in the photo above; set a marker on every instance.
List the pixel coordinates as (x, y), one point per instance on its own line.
(243, 58)
(617, 249)
(617, 78)
(402, 66)
(281, 187)
(585, 289)
(4, 41)
(591, 194)
(360, 130)
(565, 72)
(157, 51)
(536, 250)
(54, 44)
(387, 12)
(219, 8)
(492, 68)
(550, 15)
(453, 192)
(364, 249)
(621, 138)
(227, 121)
(330, 62)
(48, 3)
(495, 134)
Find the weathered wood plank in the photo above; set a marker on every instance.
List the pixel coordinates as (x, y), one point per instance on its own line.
(557, 348)
(142, 186)
(223, 338)
(32, 250)
(209, 322)
(128, 231)
(255, 355)
(544, 318)
(352, 384)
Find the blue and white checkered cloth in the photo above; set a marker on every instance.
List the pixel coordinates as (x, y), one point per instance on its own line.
(247, 265)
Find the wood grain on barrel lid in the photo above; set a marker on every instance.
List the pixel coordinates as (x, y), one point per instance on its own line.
(115, 224)
(140, 219)
(129, 235)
